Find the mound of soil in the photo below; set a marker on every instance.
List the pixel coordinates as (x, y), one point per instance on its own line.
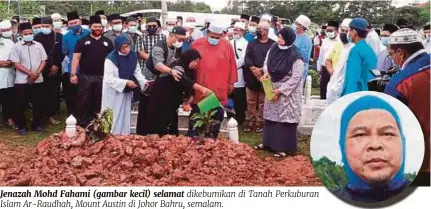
(147, 161)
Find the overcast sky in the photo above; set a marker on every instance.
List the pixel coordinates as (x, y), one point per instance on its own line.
(325, 136)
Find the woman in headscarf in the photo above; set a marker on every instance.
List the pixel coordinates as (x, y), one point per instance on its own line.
(284, 65)
(167, 95)
(122, 75)
(373, 151)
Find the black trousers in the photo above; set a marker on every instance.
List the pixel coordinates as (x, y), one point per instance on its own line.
(240, 104)
(25, 93)
(70, 93)
(324, 80)
(141, 127)
(51, 92)
(7, 103)
(90, 98)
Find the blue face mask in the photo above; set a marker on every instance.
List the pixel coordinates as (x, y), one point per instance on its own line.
(213, 41)
(75, 28)
(46, 31)
(349, 39)
(385, 41)
(28, 38)
(37, 30)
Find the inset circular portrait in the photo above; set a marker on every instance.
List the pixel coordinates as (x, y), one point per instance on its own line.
(367, 147)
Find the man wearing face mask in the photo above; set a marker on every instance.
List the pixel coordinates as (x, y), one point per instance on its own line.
(159, 63)
(254, 60)
(68, 44)
(104, 19)
(117, 29)
(133, 32)
(252, 29)
(36, 22)
(335, 84)
(15, 35)
(325, 65)
(7, 74)
(189, 27)
(90, 54)
(29, 59)
(51, 42)
(303, 41)
(317, 42)
(427, 38)
(384, 61)
(361, 60)
(239, 45)
(146, 43)
(217, 73)
(6, 30)
(57, 23)
(170, 24)
(412, 86)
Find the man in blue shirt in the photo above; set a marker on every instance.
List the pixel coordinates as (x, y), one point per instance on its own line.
(252, 28)
(361, 61)
(303, 41)
(69, 41)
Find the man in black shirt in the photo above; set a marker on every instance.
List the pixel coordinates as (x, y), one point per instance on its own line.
(254, 59)
(90, 54)
(51, 42)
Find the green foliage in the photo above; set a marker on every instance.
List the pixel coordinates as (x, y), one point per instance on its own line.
(315, 78)
(101, 126)
(331, 174)
(204, 123)
(410, 176)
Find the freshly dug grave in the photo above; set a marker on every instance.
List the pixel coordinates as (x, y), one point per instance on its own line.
(147, 161)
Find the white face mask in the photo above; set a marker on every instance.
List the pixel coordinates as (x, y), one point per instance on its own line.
(57, 25)
(178, 44)
(236, 37)
(85, 27)
(117, 27)
(7, 34)
(104, 22)
(252, 29)
(170, 28)
(187, 35)
(330, 35)
(283, 47)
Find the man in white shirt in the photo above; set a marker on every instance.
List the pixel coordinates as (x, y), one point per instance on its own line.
(328, 45)
(239, 45)
(29, 59)
(194, 33)
(373, 40)
(7, 74)
(170, 24)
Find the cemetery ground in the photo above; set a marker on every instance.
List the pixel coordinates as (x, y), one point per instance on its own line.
(53, 159)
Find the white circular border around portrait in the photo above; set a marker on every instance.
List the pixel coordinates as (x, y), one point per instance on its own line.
(326, 131)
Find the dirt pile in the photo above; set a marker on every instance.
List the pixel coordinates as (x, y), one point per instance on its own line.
(144, 161)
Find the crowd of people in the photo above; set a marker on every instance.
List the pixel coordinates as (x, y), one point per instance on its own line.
(110, 61)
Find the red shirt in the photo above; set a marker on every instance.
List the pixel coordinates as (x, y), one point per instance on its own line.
(216, 70)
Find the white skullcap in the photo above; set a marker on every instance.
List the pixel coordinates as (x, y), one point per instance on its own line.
(56, 16)
(190, 25)
(264, 24)
(346, 22)
(304, 21)
(5, 24)
(404, 36)
(239, 25)
(266, 17)
(216, 27)
(171, 20)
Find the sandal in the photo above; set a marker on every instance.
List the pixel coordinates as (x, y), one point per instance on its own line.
(259, 129)
(280, 154)
(259, 147)
(248, 129)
